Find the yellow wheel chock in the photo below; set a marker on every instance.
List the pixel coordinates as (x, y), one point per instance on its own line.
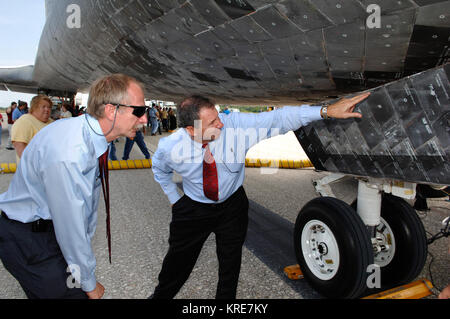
(416, 290)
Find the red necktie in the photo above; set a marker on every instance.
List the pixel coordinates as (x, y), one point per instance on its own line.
(103, 167)
(210, 181)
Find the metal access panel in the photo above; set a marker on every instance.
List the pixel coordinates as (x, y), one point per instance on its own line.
(404, 133)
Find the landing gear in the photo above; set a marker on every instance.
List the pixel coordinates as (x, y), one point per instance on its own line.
(337, 245)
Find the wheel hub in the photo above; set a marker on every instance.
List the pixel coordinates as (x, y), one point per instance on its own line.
(323, 249)
(383, 244)
(320, 249)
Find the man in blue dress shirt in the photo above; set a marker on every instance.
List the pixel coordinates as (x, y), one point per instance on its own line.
(19, 110)
(153, 119)
(49, 213)
(194, 215)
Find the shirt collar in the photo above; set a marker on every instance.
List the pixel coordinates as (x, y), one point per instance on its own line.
(198, 144)
(189, 138)
(96, 134)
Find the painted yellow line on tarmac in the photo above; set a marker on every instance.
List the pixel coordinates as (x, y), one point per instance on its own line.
(8, 167)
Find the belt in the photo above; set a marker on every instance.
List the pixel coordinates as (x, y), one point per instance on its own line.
(38, 226)
(223, 204)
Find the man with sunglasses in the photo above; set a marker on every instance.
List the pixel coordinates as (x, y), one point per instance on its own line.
(49, 213)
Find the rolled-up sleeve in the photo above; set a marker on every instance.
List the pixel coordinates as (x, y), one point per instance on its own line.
(70, 202)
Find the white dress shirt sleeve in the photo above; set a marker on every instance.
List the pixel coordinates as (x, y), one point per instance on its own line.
(163, 174)
(279, 121)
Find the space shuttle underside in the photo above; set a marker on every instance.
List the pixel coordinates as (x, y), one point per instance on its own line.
(403, 134)
(243, 52)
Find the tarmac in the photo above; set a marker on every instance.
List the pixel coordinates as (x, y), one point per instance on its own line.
(140, 217)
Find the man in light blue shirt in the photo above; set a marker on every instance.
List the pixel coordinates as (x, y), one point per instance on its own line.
(227, 137)
(49, 213)
(153, 119)
(19, 110)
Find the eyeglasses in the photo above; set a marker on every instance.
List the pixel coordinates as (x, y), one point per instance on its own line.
(138, 110)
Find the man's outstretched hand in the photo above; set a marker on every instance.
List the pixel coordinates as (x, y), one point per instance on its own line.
(343, 109)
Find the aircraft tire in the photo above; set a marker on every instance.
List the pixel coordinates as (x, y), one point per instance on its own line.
(333, 248)
(410, 242)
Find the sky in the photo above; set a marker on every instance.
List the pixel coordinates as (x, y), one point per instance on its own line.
(21, 24)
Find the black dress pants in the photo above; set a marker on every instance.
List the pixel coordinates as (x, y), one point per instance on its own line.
(192, 223)
(36, 261)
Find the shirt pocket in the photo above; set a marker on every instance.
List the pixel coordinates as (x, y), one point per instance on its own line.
(233, 167)
(195, 184)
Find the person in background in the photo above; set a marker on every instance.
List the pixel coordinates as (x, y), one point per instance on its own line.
(26, 127)
(65, 111)
(139, 139)
(112, 151)
(158, 117)
(20, 110)
(172, 120)
(9, 113)
(153, 119)
(49, 212)
(165, 119)
(1, 128)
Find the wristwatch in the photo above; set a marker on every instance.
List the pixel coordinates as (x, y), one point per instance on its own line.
(323, 112)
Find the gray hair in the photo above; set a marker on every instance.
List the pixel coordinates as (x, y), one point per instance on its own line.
(108, 89)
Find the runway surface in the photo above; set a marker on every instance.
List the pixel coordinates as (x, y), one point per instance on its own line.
(140, 227)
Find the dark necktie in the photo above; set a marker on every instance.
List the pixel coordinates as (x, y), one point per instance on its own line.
(103, 167)
(210, 181)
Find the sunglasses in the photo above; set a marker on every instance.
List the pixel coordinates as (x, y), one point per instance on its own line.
(138, 110)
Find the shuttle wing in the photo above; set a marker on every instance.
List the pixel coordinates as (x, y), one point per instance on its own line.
(18, 79)
(404, 133)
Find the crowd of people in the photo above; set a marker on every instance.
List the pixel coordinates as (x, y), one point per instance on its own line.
(23, 124)
(161, 118)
